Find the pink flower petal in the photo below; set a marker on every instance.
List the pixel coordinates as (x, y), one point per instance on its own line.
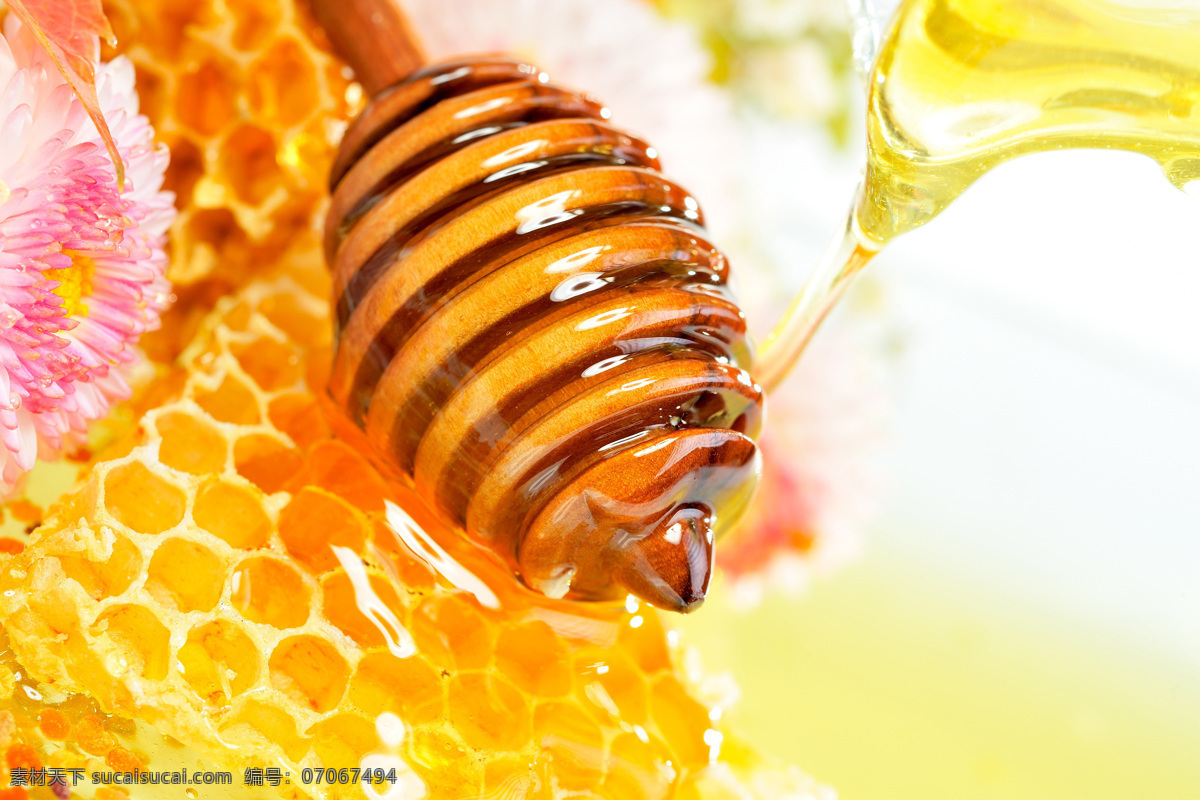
(81, 266)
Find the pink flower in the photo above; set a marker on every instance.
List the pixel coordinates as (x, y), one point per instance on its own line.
(81, 263)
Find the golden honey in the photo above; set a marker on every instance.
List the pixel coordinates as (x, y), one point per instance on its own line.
(961, 86)
(238, 578)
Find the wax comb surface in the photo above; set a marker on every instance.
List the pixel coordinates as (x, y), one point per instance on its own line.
(230, 577)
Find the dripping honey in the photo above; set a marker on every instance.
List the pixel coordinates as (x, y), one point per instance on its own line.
(534, 329)
(961, 86)
(964, 85)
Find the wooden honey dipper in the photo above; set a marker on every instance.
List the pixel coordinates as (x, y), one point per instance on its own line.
(531, 323)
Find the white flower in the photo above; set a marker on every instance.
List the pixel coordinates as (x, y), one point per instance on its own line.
(652, 72)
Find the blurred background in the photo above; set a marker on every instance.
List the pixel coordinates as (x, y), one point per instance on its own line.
(1023, 617)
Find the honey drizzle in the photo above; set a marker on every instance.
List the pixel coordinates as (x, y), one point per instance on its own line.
(962, 86)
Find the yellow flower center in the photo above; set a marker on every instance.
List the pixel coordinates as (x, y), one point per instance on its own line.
(5, 193)
(74, 284)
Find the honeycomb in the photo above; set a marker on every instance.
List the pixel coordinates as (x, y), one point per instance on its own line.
(238, 577)
(43, 729)
(251, 103)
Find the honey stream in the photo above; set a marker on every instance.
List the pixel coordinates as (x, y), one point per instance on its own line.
(961, 86)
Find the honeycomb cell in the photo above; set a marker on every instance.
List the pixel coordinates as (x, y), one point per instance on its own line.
(231, 401)
(298, 151)
(254, 23)
(448, 769)
(266, 461)
(141, 500)
(249, 165)
(207, 98)
(638, 769)
(269, 591)
(152, 94)
(288, 313)
(75, 507)
(272, 365)
(219, 661)
(185, 576)
(107, 578)
(233, 513)
(283, 83)
(142, 641)
(645, 640)
(452, 634)
(336, 467)
(208, 361)
(572, 743)
(340, 740)
(190, 444)
(264, 726)
(314, 522)
(408, 687)
(310, 671)
(300, 417)
(343, 606)
(488, 712)
(217, 227)
(401, 566)
(186, 167)
(533, 657)
(165, 31)
(681, 720)
(613, 684)
(211, 242)
(237, 317)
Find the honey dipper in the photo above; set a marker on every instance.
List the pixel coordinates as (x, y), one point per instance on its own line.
(531, 323)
